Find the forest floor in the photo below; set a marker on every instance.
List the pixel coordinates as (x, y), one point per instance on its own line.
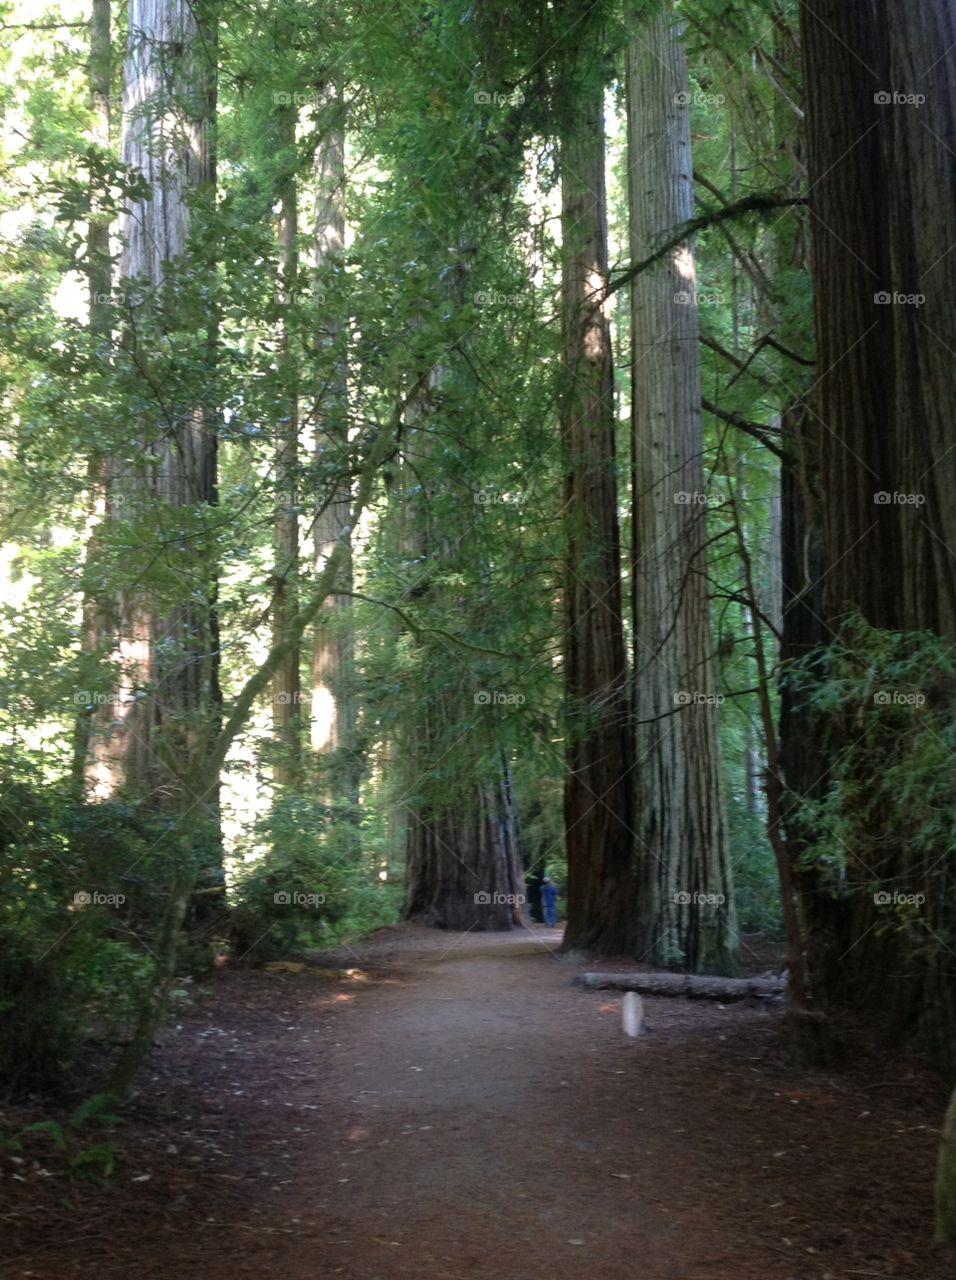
(453, 1108)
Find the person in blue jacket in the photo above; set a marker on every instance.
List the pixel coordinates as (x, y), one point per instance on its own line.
(549, 901)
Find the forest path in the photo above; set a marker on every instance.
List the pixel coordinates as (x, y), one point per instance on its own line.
(458, 1111)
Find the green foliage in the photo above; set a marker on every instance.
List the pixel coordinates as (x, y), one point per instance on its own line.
(95, 1162)
(881, 836)
(443, 309)
(891, 792)
(81, 889)
(303, 880)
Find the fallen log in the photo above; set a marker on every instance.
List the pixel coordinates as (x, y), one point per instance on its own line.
(691, 985)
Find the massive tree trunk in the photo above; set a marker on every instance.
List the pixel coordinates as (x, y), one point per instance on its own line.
(462, 861)
(920, 175)
(166, 646)
(286, 688)
(685, 904)
(884, 219)
(599, 786)
(462, 864)
(855, 392)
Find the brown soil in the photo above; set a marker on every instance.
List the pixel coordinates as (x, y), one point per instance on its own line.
(458, 1110)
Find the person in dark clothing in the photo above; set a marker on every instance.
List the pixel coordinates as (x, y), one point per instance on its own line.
(549, 900)
(534, 883)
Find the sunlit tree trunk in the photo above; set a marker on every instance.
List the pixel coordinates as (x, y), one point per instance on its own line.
(166, 640)
(96, 614)
(599, 786)
(333, 710)
(286, 689)
(685, 902)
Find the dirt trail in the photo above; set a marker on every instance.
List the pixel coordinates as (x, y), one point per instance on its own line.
(466, 1113)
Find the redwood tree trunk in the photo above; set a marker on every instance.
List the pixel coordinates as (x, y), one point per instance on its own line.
(599, 786)
(96, 610)
(286, 689)
(884, 221)
(685, 904)
(457, 817)
(462, 865)
(333, 711)
(166, 644)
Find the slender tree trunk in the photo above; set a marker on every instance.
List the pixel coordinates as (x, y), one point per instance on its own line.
(96, 618)
(333, 713)
(286, 688)
(685, 904)
(753, 763)
(599, 785)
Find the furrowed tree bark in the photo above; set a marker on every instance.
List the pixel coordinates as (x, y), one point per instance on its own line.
(855, 392)
(462, 863)
(599, 785)
(166, 650)
(918, 143)
(96, 618)
(286, 688)
(333, 710)
(204, 777)
(882, 183)
(463, 870)
(685, 894)
(881, 99)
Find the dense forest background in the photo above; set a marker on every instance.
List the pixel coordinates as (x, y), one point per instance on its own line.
(448, 445)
